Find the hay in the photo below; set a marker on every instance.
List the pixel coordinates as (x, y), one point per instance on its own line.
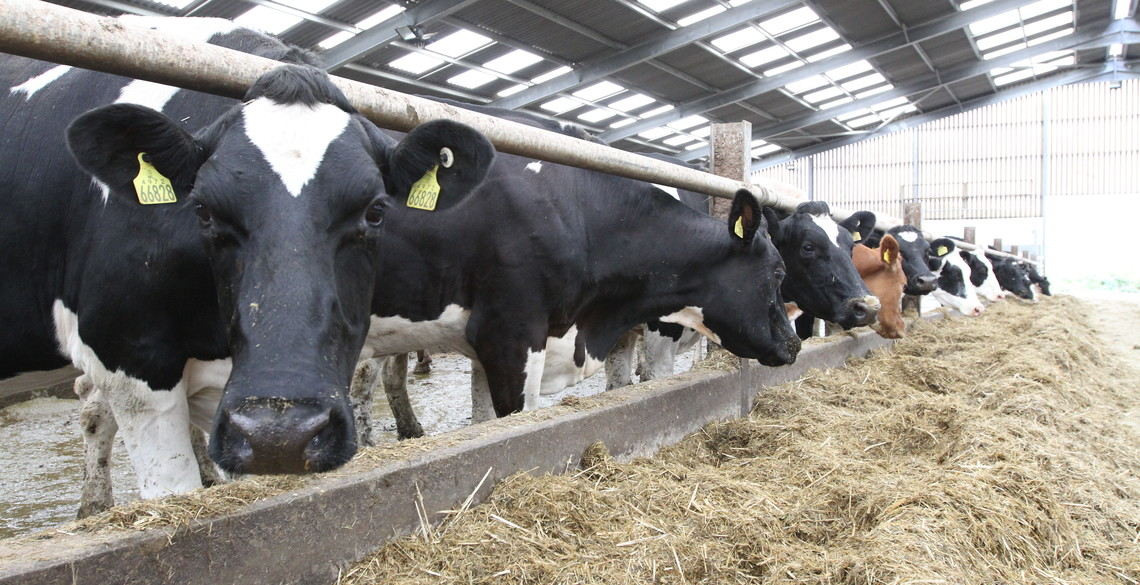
(977, 451)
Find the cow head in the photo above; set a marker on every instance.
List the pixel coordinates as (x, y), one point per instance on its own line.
(1037, 278)
(914, 249)
(954, 287)
(881, 269)
(817, 252)
(1013, 277)
(288, 192)
(741, 306)
(982, 275)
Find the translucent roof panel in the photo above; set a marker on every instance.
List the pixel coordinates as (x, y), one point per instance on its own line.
(699, 16)
(561, 105)
(631, 102)
(812, 39)
(512, 90)
(764, 56)
(597, 115)
(745, 37)
(459, 43)
(335, 40)
(968, 4)
(807, 84)
(472, 79)
(656, 111)
(679, 139)
(416, 63)
(1011, 30)
(513, 61)
(600, 90)
(623, 123)
(783, 68)
(823, 95)
(829, 52)
(688, 122)
(862, 82)
(551, 74)
(379, 17)
(661, 5)
(789, 21)
(267, 19)
(856, 68)
(655, 133)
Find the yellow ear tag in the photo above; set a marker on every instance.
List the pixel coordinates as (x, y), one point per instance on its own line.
(150, 186)
(886, 256)
(942, 250)
(857, 236)
(738, 229)
(424, 193)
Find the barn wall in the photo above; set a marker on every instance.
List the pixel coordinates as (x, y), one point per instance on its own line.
(1039, 171)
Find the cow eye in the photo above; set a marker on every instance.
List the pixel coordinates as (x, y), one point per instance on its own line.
(809, 248)
(203, 213)
(374, 215)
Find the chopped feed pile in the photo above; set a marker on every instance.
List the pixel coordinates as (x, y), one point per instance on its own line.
(978, 451)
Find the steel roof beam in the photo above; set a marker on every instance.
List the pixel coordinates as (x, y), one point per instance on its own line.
(654, 47)
(1078, 76)
(869, 50)
(385, 32)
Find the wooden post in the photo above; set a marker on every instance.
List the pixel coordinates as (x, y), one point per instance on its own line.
(997, 245)
(730, 157)
(1014, 250)
(912, 215)
(970, 234)
(1025, 254)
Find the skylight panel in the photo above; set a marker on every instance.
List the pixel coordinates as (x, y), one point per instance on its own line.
(472, 79)
(688, 122)
(656, 111)
(379, 17)
(830, 52)
(783, 68)
(735, 3)
(841, 73)
(661, 5)
(1003, 51)
(999, 39)
(745, 37)
(267, 19)
(863, 121)
(458, 44)
(854, 114)
(765, 150)
(623, 123)
(797, 18)
(335, 40)
(764, 56)
(561, 105)
(550, 74)
(632, 102)
(513, 61)
(679, 139)
(873, 91)
(888, 104)
(807, 84)
(310, 6)
(834, 103)
(823, 95)
(1057, 20)
(597, 115)
(1121, 9)
(696, 145)
(1016, 76)
(702, 132)
(968, 4)
(600, 90)
(812, 39)
(1043, 6)
(655, 133)
(757, 143)
(416, 63)
(706, 13)
(898, 111)
(988, 25)
(861, 82)
(512, 90)
(1055, 35)
(1116, 50)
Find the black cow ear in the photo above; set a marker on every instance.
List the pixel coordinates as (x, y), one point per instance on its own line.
(137, 152)
(773, 220)
(941, 247)
(860, 224)
(745, 216)
(438, 164)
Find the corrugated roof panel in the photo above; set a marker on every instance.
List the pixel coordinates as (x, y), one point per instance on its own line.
(530, 29)
(856, 20)
(709, 68)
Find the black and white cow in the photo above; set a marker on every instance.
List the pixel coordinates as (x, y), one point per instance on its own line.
(955, 289)
(915, 250)
(1036, 278)
(1013, 276)
(822, 279)
(235, 263)
(558, 263)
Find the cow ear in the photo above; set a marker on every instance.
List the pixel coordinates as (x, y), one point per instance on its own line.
(941, 247)
(745, 216)
(888, 249)
(438, 164)
(137, 152)
(860, 224)
(773, 220)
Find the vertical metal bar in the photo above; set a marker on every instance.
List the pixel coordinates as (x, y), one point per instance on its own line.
(1046, 153)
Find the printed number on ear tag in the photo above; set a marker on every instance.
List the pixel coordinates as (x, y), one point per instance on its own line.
(150, 186)
(424, 193)
(942, 250)
(738, 229)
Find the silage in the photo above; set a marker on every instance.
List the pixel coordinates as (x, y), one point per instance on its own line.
(976, 451)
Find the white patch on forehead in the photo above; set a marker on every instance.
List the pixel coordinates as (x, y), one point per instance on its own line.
(672, 191)
(908, 236)
(31, 86)
(828, 226)
(693, 318)
(535, 166)
(293, 137)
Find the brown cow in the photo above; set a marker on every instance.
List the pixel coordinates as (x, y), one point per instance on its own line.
(882, 272)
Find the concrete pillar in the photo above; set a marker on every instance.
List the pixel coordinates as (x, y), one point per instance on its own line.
(997, 245)
(730, 155)
(970, 234)
(912, 215)
(1014, 250)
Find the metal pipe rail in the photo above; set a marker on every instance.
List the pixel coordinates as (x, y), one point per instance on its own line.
(48, 32)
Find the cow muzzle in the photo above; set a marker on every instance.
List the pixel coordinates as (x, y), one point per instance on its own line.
(275, 435)
(860, 311)
(922, 284)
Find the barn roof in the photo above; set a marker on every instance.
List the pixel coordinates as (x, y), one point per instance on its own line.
(649, 75)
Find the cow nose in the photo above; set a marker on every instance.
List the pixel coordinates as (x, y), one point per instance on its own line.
(925, 282)
(976, 311)
(862, 311)
(269, 435)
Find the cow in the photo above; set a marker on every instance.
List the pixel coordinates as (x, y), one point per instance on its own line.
(219, 267)
(982, 275)
(822, 279)
(1013, 276)
(882, 272)
(954, 287)
(915, 251)
(1036, 278)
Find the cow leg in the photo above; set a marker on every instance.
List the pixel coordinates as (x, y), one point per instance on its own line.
(360, 397)
(394, 377)
(660, 354)
(99, 427)
(482, 407)
(423, 362)
(155, 427)
(619, 363)
(207, 470)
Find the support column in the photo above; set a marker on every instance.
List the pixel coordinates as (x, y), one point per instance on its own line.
(912, 215)
(731, 157)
